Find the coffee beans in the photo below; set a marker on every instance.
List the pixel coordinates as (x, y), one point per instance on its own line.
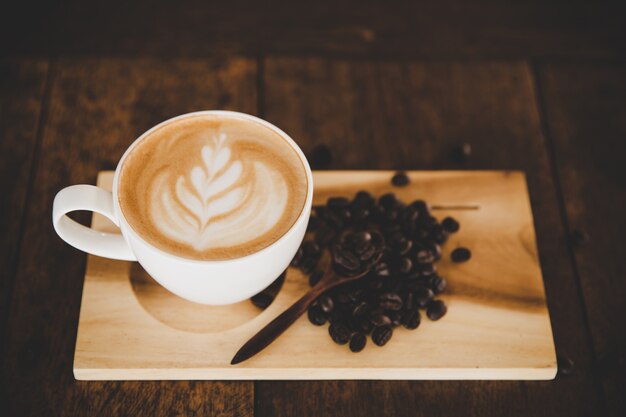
(461, 255)
(263, 299)
(316, 315)
(340, 333)
(381, 335)
(450, 225)
(436, 310)
(411, 319)
(400, 179)
(357, 342)
(399, 244)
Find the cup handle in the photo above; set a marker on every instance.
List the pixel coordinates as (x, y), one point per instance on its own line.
(88, 197)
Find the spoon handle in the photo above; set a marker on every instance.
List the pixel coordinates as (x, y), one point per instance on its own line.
(277, 326)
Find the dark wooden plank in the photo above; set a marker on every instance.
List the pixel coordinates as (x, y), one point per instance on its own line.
(586, 114)
(97, 108)
(22, 84)
(449, 28)
(411, 115)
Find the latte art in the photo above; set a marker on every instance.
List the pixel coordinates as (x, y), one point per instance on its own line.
(212, 187)
(222, 194)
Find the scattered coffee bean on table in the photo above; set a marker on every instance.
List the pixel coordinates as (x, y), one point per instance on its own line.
(381, 335)
(263, 299)
(461, 255)
(400, 179)
(340, 333)
(436, 309)
(398, 243)
(358, 342)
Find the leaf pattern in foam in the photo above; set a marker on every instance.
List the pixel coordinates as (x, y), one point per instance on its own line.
(211, 190)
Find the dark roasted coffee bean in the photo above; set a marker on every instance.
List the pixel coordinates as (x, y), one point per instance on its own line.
(335, 316)
(356, 294)
(409, 300)
(411, 318)
(376, 284)
(335, 220)
(429, 222)
(366, 325)
(424, 256)
(390, 301)
(308, 264)
(359, 237)
(435, 249)
(338, 202)
(427, 270)
(423, 296)
(396, 318)
(413, 275)
(404, 265)
(315, 277)
(339, 332)
(388, 200)
(326, 303)
(297, 259)
(381, 269)
(400, 179)
(342, 297)
(381, 335)
(436, 309)
(358, 342)
(461, 255)
(345, 259)
(320, 157)
(262, 300)
(311, 249)
(390, 217)
(313, 224)
(437, 284)
(565, 365)
(409, 218)
(450, 225)
(360, 309)
(316, 315)
(379, 319)
(360, 215)
(324, 235)
(438, 235)
(404, 247)
(421, 206)
(367, 253)
(363, 199)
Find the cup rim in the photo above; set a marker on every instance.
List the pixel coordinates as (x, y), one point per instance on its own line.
(228, 113)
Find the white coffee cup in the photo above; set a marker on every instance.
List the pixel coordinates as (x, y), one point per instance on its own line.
(206, 282)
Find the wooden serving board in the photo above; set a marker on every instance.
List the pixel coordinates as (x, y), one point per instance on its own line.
(497, 325)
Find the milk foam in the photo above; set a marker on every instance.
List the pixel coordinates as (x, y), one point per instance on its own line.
(212, 187)
(217, 205)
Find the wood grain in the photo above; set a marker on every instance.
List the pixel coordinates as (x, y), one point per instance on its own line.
(97, 108)
(586, 114)
(448, 28)
(22, 84)
(497, 326)
(411, 115)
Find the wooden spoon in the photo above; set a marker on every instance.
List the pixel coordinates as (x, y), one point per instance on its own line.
(276, 327)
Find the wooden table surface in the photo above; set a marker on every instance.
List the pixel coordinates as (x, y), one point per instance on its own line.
(529, 86)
